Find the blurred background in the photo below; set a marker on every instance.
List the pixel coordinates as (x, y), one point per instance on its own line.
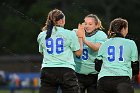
(20, 24)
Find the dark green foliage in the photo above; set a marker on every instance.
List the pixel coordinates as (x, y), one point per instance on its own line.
(21, 20)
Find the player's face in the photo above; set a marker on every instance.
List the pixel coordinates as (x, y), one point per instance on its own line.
(124, 31)
(63, 21)
(90, 25)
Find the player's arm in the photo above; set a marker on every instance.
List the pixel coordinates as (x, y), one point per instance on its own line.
(98, 64)
(101, 37)
(80, 34)
(135, 67)
(39, 42)
(99, 59)
(41, 53)
(134, 59)
(93, 46)
(77, 45)
(79, 52)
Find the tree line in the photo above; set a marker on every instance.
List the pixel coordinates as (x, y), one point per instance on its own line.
(21, 20)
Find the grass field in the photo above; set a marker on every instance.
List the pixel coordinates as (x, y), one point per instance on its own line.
(19, 91)
(30, 91)
(137, 90)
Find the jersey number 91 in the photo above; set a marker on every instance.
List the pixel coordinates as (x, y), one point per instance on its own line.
(111, 53)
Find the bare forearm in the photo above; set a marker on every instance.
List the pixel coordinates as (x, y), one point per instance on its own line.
(79, 52)
(93, 46)
(81, 44)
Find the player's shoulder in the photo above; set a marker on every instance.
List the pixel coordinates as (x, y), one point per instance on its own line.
(70, 32)
(61, 29)
(129, 41)
(41, 34)
(125, 40)
(67, 33)
(75, 29)
(100, 32)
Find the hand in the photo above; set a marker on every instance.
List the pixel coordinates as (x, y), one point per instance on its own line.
(81, 31)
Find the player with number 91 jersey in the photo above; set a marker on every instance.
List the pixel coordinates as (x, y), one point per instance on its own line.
(59, 48)
(117, 54)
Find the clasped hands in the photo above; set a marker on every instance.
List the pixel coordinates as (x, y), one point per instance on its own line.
(81, 31)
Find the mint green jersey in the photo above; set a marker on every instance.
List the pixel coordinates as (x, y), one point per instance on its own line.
(58, 49)
(117, 54)
(85, 63)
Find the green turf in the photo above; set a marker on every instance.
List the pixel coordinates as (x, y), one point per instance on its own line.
(137, 90)
(20, 91)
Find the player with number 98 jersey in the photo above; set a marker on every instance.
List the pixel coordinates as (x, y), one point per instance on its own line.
(58, 48)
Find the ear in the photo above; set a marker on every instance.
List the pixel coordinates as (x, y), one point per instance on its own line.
(123, 31)
(60, 21)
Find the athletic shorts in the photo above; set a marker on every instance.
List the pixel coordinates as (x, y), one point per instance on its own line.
(115, 84)
(54, 77)
(87, 82)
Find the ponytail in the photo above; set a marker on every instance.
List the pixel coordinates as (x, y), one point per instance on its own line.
(53, 16)
(49, 29)
(116, 27)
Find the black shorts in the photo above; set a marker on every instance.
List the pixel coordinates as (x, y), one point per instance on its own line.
(54, 77)
(115, 84)
(87, 82)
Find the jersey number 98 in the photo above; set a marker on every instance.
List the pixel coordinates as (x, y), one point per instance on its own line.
(59, 45)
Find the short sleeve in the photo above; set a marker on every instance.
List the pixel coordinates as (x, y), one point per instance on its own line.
(74, 41)
(101, 52)
(101, 37)
(39, 40)
(75, 30)
(134, 55)
(40, 49)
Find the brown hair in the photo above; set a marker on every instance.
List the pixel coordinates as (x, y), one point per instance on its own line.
(97, 21)
(116, 26)
(53, 16)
